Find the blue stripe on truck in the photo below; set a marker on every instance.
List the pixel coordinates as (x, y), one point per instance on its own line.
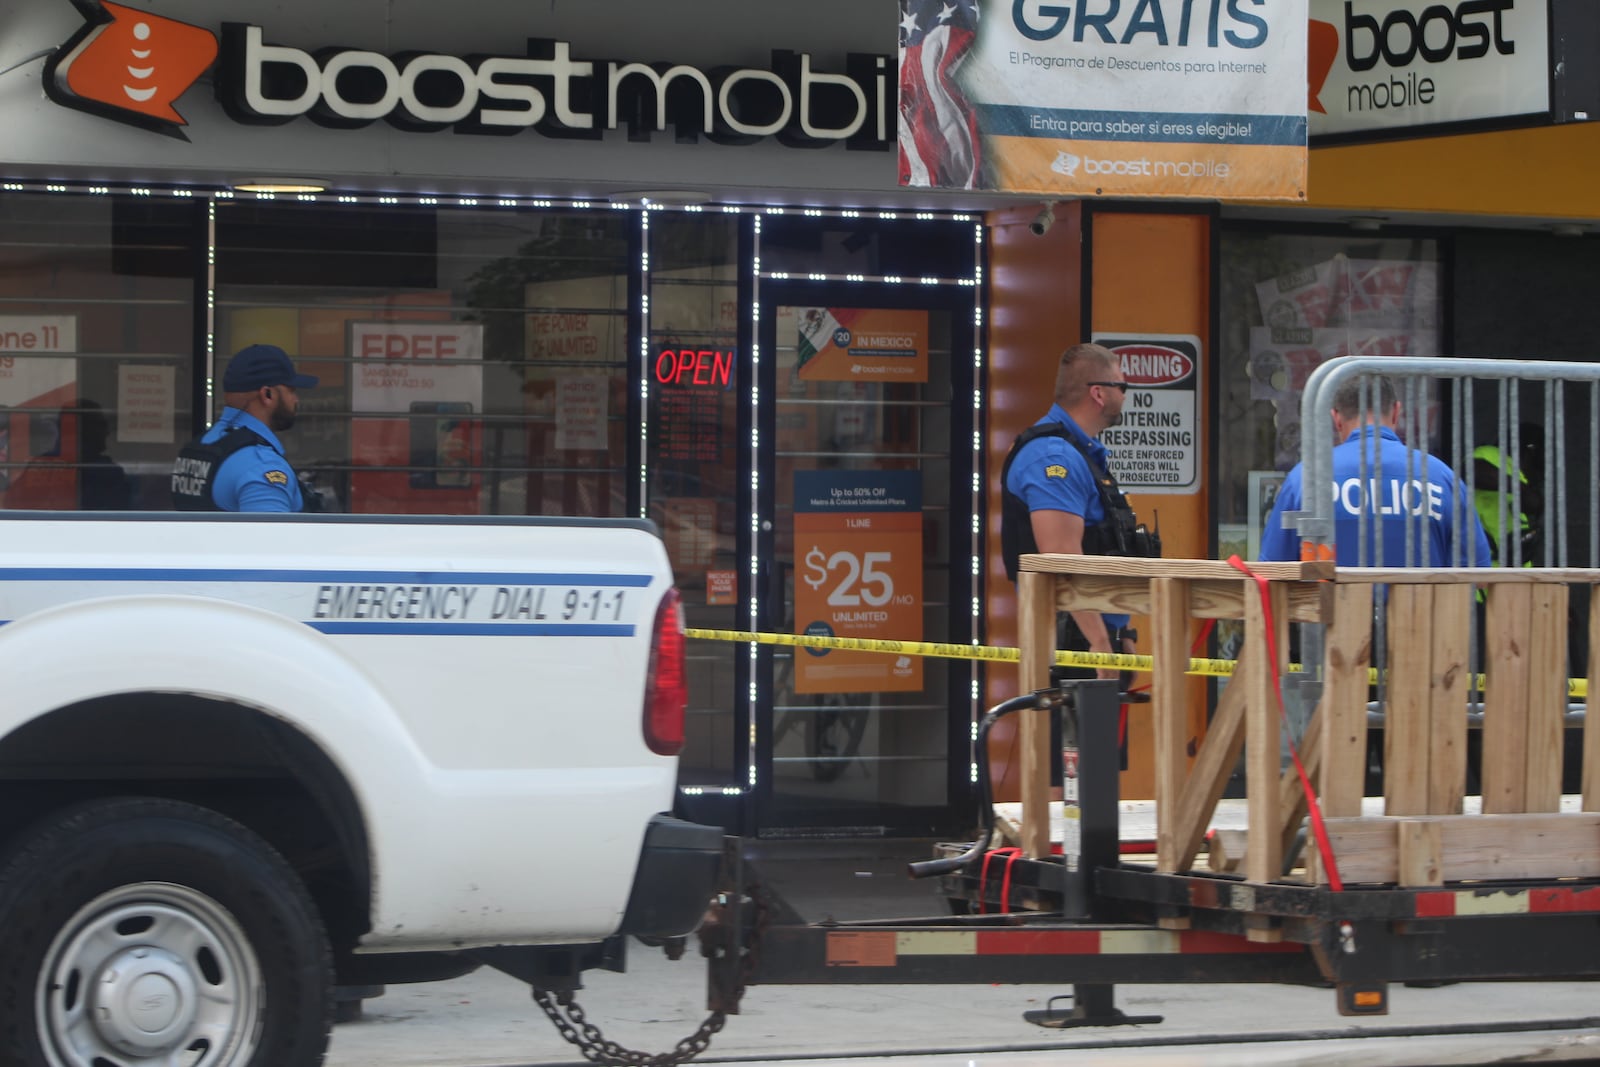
(193, 574)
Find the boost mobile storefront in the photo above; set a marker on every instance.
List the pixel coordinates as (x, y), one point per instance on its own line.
(552, 263)
(573, 262)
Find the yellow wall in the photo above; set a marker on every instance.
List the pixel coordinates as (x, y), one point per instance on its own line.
(1547, 172)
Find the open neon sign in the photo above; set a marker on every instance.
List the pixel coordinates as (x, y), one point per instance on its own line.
(691, 367)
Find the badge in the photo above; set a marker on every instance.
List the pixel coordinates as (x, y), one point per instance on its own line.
(1055, 470)
(277, 477)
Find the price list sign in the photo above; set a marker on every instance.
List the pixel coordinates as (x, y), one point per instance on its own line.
(690, 427)
(858, 573)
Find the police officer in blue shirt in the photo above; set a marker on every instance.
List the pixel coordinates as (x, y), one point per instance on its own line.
(1059, 495)
(238, 464)
(1424, 495)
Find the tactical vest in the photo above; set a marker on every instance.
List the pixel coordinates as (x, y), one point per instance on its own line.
(1118, 534)
(194, 472)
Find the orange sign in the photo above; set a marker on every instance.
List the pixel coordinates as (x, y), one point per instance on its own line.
(132, 66)
(858, 573)
(862, 344)
(721, 587)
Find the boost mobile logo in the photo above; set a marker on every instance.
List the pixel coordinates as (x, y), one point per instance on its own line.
(129, 65)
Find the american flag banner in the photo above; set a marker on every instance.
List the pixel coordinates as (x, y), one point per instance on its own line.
(939, 145)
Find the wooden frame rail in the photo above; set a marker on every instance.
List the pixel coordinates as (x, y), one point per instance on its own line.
(1423, 837)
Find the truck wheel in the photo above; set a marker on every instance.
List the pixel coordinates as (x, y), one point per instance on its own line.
(145, 932)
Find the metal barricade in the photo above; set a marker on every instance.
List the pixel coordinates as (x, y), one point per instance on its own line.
(1465, 411)
(1505, 419)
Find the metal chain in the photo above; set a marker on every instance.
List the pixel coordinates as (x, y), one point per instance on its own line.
(575, 1027)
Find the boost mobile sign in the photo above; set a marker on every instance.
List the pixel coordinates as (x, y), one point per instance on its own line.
(1393, 65)
(132, 66)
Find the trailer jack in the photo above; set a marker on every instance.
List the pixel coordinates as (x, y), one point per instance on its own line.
(1092, 1005)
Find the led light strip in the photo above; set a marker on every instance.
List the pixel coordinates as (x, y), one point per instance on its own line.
(979, 467)
(211, 309)
(755, 488)
(437, 200)
(878, 279)
(644, 363)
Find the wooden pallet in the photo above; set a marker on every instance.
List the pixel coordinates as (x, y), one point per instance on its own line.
(1424, 837)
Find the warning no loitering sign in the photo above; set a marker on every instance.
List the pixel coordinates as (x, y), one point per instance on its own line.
(1156, 447)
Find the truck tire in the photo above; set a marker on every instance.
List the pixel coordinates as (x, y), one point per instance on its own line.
(144, 931)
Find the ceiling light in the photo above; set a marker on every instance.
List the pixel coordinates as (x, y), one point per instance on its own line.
(1569, 229)
(661, 197)
(282, 185)
(1366, 222)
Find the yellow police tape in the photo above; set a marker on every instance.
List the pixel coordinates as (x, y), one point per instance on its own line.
(1209, 668)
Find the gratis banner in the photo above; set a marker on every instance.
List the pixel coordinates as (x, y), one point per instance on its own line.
(858, 573)
(1128, 98)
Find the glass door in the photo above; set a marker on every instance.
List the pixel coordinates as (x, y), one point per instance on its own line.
(867, 493)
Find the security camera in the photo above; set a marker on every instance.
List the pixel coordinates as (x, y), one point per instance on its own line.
(1043, 220)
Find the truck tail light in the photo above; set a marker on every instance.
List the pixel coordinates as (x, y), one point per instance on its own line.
(667, 687)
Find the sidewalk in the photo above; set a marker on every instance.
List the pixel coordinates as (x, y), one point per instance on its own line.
(489, 1020)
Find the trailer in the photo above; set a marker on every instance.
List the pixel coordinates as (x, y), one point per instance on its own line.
(1431, 890)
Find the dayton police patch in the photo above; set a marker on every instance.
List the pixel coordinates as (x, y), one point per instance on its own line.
(1055, 470)
(276, 477)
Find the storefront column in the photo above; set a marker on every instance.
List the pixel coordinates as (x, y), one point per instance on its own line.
(1150, 274)
(1096, 270)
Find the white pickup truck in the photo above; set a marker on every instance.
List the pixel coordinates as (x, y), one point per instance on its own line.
(244, 759)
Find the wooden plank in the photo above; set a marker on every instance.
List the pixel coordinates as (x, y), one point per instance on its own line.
(1419, 847)
(1308, 601)
(1448, 698)
(1407, 701)
(1465, 575)
(1174, 568)
(1225, 850)
(1505, 712)
(1103, 592)
(1591, 723)
(1343, 715)
(1264, 850)
(1213, 599)
(1036, 634)
(1213, 765)
(1169, 633)
(1474, 847)
(1547, 696)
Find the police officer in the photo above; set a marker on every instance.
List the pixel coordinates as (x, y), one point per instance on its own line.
(238, 464)
(1492, 472)
(1059, 495)
(1392, 493)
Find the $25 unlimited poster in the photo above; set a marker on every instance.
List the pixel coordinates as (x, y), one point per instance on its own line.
(858, 573)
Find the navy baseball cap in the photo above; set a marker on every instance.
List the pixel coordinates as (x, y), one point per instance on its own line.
(257, 365)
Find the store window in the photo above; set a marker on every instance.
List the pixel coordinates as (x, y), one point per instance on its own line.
(1289, 302)
(697, 378)
(471, 361)
(96, 336)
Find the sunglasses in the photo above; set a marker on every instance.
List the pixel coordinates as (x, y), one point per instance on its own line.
(1114, 385)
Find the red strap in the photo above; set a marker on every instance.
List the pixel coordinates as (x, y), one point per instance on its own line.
(1005, 885)
(1318, 829)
